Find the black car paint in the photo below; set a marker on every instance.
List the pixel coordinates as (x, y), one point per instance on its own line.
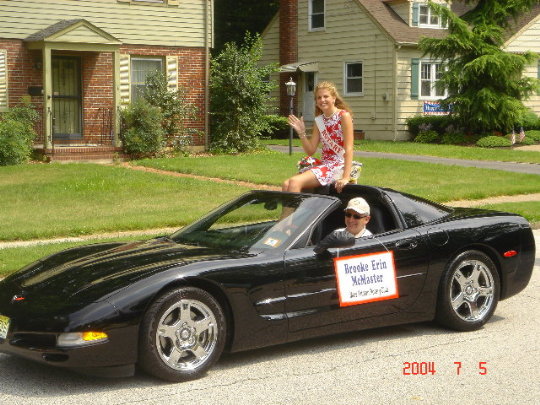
(269, 297)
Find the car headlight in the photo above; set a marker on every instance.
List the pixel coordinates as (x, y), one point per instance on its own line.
(72, 339)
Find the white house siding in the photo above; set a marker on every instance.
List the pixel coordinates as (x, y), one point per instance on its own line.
(351, 36)
(131, 23)
(270, 55)
(528, 39)
(534, 101)
(407, 107)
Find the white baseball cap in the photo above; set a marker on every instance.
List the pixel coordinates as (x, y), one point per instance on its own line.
(359, 205)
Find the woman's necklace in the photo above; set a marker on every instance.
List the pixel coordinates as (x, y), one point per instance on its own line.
(329, 116)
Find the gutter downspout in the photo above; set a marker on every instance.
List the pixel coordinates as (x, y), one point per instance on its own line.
(394, 98)
(206, 77)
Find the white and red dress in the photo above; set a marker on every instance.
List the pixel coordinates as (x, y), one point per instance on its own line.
(333, 149)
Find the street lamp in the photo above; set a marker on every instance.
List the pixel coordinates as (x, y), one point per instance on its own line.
(291, 91)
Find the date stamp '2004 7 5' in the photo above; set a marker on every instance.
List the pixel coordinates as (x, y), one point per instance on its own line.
(428, 368)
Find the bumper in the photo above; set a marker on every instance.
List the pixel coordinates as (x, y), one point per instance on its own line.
(114, 357)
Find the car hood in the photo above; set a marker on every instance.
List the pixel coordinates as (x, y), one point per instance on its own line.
(93, 272)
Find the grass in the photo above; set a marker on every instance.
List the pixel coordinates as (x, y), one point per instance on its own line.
(447, 151)
(529, 209)
(433, 181)
(45, 201)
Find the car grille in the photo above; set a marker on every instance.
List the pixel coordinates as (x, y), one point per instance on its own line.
(34, 340)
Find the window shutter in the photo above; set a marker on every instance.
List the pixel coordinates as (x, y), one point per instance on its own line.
(415, 12)
(125, 80)
(172, 73)
(3, 81)
(415, 71)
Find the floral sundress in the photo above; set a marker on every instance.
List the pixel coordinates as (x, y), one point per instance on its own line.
(333, 149)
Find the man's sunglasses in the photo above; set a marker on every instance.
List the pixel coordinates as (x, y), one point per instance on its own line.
(355, 216)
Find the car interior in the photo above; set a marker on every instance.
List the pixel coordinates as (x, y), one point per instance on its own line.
(382, 219)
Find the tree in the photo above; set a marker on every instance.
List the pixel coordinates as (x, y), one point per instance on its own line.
(236, 17)
(485, 84)
(239, 89)
(176, 110)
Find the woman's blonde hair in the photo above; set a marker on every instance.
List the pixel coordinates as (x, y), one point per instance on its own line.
(331, 87)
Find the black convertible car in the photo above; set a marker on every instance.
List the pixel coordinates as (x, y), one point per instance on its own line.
(247, 276)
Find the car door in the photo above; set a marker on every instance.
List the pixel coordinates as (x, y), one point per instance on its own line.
(311, 288)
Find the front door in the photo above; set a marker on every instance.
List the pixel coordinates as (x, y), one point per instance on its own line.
(308, 109)
(66, 99)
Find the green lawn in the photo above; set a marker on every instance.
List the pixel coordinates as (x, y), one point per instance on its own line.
(433, 181)
(530, 209)
(45, 201)
(448, 151)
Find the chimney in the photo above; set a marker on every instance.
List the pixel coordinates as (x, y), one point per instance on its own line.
(288, 48)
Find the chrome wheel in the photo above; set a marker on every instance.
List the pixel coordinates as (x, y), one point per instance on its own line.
(471, 290)
(186, 334)
(182, 334)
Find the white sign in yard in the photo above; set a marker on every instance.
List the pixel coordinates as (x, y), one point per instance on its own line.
(366, 278)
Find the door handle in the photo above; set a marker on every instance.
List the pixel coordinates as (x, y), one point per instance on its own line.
(407, 244)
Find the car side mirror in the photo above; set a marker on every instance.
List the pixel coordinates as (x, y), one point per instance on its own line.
(334, 240)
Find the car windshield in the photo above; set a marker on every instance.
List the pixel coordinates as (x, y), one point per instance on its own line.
(255, 221)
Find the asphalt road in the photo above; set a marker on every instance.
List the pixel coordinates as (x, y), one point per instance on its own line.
(497, 365)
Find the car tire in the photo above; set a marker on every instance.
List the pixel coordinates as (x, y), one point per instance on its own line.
(469, 292)
(182, 335)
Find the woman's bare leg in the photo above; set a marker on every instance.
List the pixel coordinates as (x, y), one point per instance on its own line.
(300, 182)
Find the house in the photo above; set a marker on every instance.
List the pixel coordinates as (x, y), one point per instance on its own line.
(368, 48)
(80, 61)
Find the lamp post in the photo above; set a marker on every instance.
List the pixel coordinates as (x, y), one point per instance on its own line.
(291, 91)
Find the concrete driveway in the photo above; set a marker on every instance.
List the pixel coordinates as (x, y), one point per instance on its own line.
(496, 365)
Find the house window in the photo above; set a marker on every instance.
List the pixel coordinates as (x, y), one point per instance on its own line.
(430, 74)
(141, 68)
(425, 17)
(353, 78)
(316, 15)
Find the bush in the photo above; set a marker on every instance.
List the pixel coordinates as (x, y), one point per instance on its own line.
(493, 142)
(177, 111)
(17, 134)
(526, 141)
(142, 133)
(419, 123)
(238, 96)
(534, 135)
(427, 137)
(530, 120)
(455, 138)
(278, 127)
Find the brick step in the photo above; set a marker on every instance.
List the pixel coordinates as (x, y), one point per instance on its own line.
(94, 156)
(82, 149)
(84, 153)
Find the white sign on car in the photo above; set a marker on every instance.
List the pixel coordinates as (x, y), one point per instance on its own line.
(366, 278)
